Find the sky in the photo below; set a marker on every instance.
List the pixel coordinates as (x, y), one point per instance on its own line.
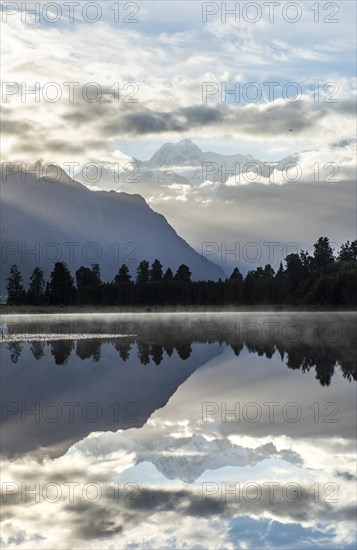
(118, 80)
(168, 50)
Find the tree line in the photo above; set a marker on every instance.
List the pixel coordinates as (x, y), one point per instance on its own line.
(321, 279)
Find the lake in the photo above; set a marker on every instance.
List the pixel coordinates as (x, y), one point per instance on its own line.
(207, 430)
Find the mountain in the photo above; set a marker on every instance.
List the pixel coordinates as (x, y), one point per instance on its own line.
(182, 163)
(170, 154)
(185, 152)
(175, 165)
(46, 220)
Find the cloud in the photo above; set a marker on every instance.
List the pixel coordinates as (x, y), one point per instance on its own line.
(155, 56)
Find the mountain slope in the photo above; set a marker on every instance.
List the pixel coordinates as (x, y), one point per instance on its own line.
(46, 221)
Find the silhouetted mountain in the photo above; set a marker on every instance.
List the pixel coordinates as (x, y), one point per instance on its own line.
(45, 221)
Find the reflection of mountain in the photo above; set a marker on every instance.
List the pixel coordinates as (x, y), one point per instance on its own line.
(120, 392)
(189, 458)
(185, 458)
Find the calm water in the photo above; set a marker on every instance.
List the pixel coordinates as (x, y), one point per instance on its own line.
(178, 431)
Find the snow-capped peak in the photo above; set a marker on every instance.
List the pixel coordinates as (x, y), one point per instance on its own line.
(171, 154)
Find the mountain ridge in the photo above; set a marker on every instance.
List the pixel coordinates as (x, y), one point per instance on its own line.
(46, 221)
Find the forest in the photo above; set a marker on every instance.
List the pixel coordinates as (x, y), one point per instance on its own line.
(320, 279)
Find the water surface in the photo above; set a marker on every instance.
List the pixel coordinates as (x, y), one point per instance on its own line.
(178, 430)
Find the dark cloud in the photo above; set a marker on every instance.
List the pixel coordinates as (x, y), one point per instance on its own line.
(95, 520)
(346, 476)
(277, 118)
(17, 127)
(202, 115)
(107, 120)
(102, 519)
(342, 143)
(143, 122)
(78, 118)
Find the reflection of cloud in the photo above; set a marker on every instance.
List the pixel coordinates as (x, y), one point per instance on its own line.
(153, 518)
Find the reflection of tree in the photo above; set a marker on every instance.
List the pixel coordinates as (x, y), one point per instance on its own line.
(323, 358)
(237, 348)
(37, 349)
(143, 353)
(349, 370)
(169, 348)
(324, 370)
(123, 347)
(89, 348)
(15, 349)
(157, 353)
(304, 354)
(61, 350)
(261, 348)
(184, 350)
(297, 358)
(323, 351)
